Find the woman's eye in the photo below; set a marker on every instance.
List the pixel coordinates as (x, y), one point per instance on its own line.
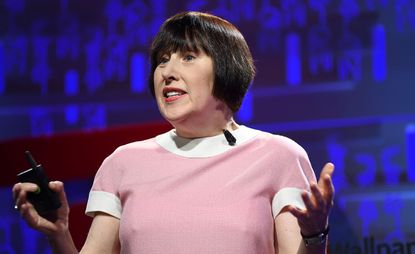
(188, 58)
(163, 60)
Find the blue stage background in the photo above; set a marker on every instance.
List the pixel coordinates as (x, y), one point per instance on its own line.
(337, 76)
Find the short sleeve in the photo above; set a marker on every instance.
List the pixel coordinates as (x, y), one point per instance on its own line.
(295, 177)
(104, 195)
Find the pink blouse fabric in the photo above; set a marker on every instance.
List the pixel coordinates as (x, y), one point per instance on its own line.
(176, 195)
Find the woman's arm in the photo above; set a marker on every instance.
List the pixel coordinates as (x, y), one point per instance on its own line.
(103, 234)
(53, 224)
(102, 238)
(288, 238)
(293, 222)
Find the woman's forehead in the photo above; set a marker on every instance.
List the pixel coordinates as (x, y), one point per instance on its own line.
(168, 50)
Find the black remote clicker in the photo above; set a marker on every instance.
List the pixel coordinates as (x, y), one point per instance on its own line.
(43, 200)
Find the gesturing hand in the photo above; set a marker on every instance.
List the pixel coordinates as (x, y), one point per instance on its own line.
(318, 203)
(50, 223)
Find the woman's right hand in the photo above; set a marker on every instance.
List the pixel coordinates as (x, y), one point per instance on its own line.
(53, 223)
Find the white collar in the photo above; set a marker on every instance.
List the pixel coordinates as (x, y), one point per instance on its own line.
(203, 147)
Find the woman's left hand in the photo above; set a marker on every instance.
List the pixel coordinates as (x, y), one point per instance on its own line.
(314, 219)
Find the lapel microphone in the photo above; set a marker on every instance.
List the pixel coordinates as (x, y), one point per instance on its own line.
(229, 137)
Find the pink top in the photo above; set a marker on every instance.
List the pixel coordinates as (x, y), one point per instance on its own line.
(176, 195)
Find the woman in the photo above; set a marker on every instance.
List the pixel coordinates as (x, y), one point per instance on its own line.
(209, 185)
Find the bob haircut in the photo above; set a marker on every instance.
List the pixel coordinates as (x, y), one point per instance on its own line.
(194, 31)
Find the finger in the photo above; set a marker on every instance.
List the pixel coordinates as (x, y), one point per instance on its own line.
(317, 196)
(20, 191)
(34, 220)
(25, 208)
(30, 215)
(328, 169)
(299, 213)
(58, 187)
(63, 211)
(306, 196)
(21, 198)
(28, 187)
(329, 188)
(15, 190)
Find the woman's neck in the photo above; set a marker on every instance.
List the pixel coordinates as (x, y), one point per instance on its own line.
(205, 130)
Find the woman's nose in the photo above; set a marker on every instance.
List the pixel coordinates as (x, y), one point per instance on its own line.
(170, 71)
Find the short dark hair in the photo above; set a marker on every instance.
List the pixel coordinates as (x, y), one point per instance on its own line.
(232, 61)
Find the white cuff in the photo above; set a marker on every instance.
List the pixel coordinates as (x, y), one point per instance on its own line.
(287, 196)
(101, 201)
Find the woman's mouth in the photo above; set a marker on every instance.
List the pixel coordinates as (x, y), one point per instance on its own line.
(171, 95)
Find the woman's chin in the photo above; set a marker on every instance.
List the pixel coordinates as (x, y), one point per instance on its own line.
(174, 119)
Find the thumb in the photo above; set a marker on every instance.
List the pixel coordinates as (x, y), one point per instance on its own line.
(57, 186)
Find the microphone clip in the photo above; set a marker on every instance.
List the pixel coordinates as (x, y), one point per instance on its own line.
(229, 137)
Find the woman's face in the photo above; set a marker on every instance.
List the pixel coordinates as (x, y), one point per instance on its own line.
(183, 83)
